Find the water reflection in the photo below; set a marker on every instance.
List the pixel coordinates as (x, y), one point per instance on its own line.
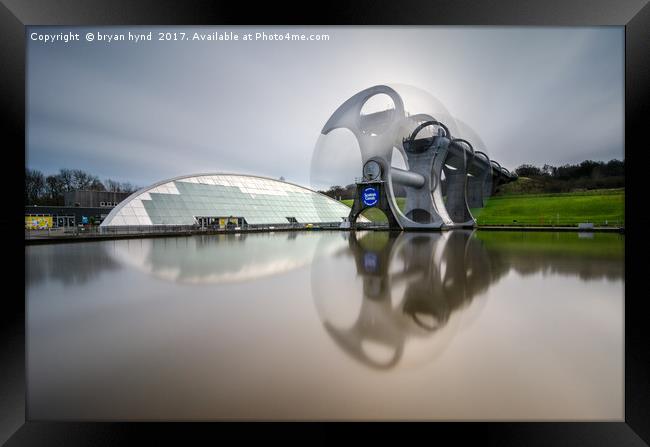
(70, 264)
(214, 259)
(474, 258)
(328, 325)
(412, 283)
(599, 256)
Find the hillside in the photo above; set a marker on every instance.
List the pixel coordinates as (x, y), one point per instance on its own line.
(601, 207)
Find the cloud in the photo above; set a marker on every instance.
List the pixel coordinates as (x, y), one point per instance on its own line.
(161, 109)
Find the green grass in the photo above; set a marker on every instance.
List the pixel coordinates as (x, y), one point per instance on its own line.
(373, 214)
(600, 207)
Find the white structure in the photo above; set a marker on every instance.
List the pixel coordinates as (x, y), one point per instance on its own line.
(225, 199)
(441, 174)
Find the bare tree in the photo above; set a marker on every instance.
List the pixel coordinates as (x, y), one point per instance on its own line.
(34, 186)
(82, 180)
(54, 187)
(97, 185)
(49, 190)
(66, 178)
(128, 187)
(112, 185)
(115, 186)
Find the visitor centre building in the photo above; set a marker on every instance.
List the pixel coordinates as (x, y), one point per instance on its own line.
(225, 201)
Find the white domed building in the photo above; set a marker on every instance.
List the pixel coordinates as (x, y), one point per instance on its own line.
(221, 200)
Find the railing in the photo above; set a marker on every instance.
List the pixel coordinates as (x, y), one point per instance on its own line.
(371, 225)
(108, 232)
(546, 221)
(364, 180)
(154, 229)
(96, 231)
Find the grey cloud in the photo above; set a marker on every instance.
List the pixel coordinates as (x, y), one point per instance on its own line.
(156, 110)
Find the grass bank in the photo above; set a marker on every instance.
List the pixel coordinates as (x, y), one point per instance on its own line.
(600, 207)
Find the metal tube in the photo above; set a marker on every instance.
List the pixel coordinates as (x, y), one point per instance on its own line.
(407, 178)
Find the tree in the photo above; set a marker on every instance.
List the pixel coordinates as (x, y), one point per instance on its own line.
(82, 180)
(115, 186)
(548, 170)
(67, 180)
(96, 185)
(34, 186)
(54, 188)
(586, 168)
(112, 185)
(588, 174)
(41, 190)
(128, 187)
(614, 168)
(527, 170)
(341, 192)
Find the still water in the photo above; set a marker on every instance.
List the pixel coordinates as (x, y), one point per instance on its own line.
(460, 325)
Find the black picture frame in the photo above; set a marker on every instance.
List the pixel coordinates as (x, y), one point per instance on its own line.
(634, 15)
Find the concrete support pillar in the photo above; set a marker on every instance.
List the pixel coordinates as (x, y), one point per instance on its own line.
(456, 204)
(475, 192)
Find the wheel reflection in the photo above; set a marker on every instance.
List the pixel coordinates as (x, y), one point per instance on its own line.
(410, 286)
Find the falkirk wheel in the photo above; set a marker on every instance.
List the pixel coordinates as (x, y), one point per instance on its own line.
(443, 173)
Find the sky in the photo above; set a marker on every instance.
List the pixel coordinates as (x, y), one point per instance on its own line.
(151, 110)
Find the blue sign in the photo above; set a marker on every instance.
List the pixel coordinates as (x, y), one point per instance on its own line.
(84, 219)
(370, 262)
(370, 196)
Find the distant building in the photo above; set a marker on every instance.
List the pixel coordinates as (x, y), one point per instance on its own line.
(94, 199)
(81, 208)
(44, 217)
